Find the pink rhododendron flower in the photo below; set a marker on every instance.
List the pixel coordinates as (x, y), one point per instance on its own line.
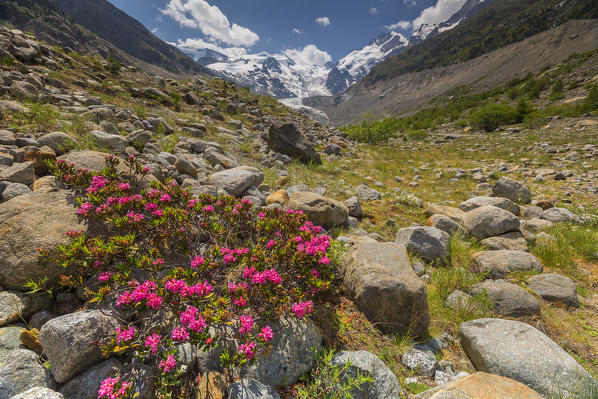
(107, 388)
(270, 244)
(302, 309)
(124, 186)
(125, 334)
(266, 334)
(168, 364)
(198, 324)
(152, 343)
(165, 198)
(105, 276)
(247, 350)
(246, 324)
(197, 262)
(180, 334)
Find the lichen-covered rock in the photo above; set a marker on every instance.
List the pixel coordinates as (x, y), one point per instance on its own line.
(322, 211)
(70, 341)
(236, 180)
(22, 371)
(87, 384)
(489, 221)
(499, 264)
(248, 388)
(513, 190)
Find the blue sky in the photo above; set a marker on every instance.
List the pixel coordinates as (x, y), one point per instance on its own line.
(322, 29)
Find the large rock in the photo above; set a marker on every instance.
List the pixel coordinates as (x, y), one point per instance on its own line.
(561, 215)
(489, 221)
(71, 341)
(291, 354)
(20, 372)
(236, 180)
(39, 393)
(499, 264)
(9, 341)
(23, 173)
(58, 141)
(508, 299)
(87, 384)
(288, 139)
(429, 243)
(454, 213)
(365, 193)
(24, 90)
(444, 223)
(15, 306)
(385, 384)
(248, 388)
(91, 160)
(480, 386)
(502, 203)
(517, 350)
(14, 190)
(380, 279)
(320, 210)
(554, 288)
(28, 222)
(513, 240)
(513, 190)
(112, 142)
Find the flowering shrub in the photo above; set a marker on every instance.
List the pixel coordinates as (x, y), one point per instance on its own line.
(205, 270)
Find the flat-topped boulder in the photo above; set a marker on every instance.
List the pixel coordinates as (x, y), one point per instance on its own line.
(502, 203)
(380, 279)
(321, 210)
(518, 351)
(513, 190)
(508, 299)
(499, 264)
(554, 288)
(236, 180)
(489, 221)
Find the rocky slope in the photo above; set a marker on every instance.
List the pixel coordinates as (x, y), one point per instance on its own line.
(476, 290)
(407, 91)
(96, 27)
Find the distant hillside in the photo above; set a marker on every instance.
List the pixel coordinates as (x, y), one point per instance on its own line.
(501, 23)
(96, 26)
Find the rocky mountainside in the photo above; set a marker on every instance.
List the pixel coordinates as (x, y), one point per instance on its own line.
(96, 27)
(227, 227)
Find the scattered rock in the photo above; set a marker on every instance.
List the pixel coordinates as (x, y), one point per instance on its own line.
(70, 341)
(513, 190)
(502, 203)
(513, 240)
(287, 139)
(508, 299)
(561, 215)
(322, 211)
(380, 279)
(444, 223)
(365, 193)
(554, 288)
(112, 142)
(429, 243)
(489, 221)
(279, 197)
(499, 264)
(385, 384)
(15, 306)
(23, 173)
(421, 362)
(212, 386)
(248, 388)
(87, 384)
(39, 393)
(236, 180)
(20, 372)
(517, 350)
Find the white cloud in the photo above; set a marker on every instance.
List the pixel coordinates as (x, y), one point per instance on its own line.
(191, 45)
(404, 25)
(297, 31)
(438, 13)
(309, 55)
(155, 30)
(199, 14)
(410, 3)
(324, 21)
(373, 10)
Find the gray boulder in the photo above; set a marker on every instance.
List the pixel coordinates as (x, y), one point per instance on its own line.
(9, 341)
(502, 203)
(15, 306)
(517, 350)
(499, 264)
(380, 279)
(23, 173)
(322, 211)
(112, 142)
(513, 240)
(248, 388)
(354, 206)
(28, 222)
(58, 141)
(489, 221)
(508, 299)
(365, 193)
(22, 371)
(7, 138)
(236, 180)
(15, 190)
(385, 384)
(70, 341)
(185, 167)
(561, 215)
(421, 361)
(429, 243)
(444, 223)
(99, 114)
(554, 288)
(87, 384)
(23, 90)
(287, 139)
(513, 190)
(39, 393)
(93, 161)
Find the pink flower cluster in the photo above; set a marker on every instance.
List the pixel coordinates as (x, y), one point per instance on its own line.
(302, 309)
(180, 287)
(144, 292)
(105, 276)
(168, 364)
(97, 182)
(266, 334)
(192, 320)
(125, 334)
(247, 350)
(270, 275)
(246, 323)
(109, 384)
(152, 342)
(197, 262)
(180, 334)
(134, 217)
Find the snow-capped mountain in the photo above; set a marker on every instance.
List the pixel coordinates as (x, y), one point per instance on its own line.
(275, 74)
(282, 76)
(469, 9)
(353, 67)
